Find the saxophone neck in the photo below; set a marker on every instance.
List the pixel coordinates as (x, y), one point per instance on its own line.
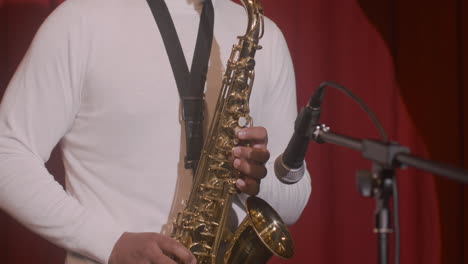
(255, 27)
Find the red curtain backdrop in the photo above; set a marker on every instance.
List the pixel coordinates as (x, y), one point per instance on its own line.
(405, 59)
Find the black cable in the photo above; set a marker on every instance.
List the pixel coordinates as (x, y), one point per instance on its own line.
(382, 133)
(360, 103)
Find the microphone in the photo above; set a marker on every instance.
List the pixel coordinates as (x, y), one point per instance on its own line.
(289, 166)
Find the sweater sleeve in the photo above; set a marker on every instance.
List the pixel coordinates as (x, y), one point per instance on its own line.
(278, 116)
(37, 110)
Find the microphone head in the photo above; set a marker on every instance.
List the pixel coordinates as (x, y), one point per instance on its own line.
(288, 175)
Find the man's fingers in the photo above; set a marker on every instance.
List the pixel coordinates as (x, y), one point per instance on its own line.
(256, 135)
(161, 258)
(250, 169)
(149, 248)
(248, 185)
(172, 247)
(260, 155)
(153, 253)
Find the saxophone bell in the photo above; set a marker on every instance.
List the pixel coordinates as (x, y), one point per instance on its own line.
(261, 234)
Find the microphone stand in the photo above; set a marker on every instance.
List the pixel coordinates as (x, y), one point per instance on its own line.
(385, 157)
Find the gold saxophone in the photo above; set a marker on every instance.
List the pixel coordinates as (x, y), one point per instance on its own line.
(201, 226)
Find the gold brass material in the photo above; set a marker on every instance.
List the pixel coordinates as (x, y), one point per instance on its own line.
(261, 234)
(201, 226)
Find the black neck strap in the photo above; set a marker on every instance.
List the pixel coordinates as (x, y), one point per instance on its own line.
(190, 84)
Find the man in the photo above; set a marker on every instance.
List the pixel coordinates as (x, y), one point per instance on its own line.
(97, 80)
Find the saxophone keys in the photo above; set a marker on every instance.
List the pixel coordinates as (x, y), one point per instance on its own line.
(250, 63)
(198, 232)
(208, 234)
(200, 250)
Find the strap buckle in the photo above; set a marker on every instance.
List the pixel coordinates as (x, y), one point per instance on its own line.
(193, 115)
(193, 108)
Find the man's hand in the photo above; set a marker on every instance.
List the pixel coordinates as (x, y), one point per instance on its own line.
(250, 160)
(149, 248)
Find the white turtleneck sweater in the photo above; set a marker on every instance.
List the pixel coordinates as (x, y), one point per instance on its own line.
(97, 80)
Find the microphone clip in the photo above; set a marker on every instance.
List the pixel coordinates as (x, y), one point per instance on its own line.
(307, 121)
(320, 128)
